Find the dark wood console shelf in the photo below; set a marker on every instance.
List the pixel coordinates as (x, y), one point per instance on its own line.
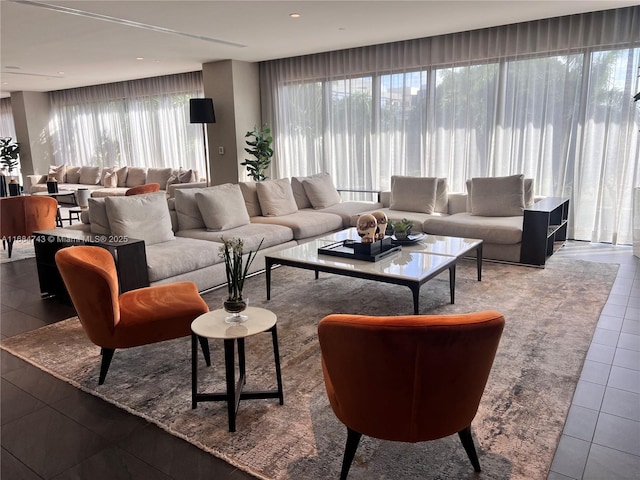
(544, 224)
(129, 254)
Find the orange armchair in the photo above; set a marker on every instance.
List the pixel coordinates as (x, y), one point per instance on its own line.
(134, 318)
(142, 189)
(408, 378)
(21, 216)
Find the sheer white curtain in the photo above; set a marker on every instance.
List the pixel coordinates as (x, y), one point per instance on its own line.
(7, 127)
(551, 99)
(142, 123)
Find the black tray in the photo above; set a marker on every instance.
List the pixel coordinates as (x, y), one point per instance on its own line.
(371, 252)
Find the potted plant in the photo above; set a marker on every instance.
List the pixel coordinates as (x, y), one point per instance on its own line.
(9, 158)
(236, 269)
(260, 147)
(402, 229)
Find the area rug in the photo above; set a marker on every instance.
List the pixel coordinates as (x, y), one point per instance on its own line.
(21, 250)
(550, 316)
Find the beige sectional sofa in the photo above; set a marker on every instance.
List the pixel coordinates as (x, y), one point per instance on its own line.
(113, 181)
(183, 235)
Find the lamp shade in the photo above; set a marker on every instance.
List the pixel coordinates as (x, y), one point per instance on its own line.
(201, 110)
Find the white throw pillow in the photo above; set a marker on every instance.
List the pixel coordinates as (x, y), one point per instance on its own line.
(136, 176)
(73, 175)
(321, 191)
(276, 198)
(159, 176)
(110, 180)
(222, 207)
(497, 196)
(187, 176)
(251, 200)
(413, 194)
(145, 217)
(300, 196)
(59, 172)
(98, 216)
(187, 211)
(89, 175)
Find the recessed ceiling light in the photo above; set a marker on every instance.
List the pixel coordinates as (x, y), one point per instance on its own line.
(295, 15)
(60, 73)
(139, 58)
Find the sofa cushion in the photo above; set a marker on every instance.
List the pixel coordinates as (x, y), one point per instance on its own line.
(347, 210)
(89, 175)
(497, 196)
(159, 176)
(180, 256)
(321, 191)
(417, 218)
(442, 196)
(136, 176)
(187, 210)
(300, 196)
(73, 175)
(109, 192)
(251, 200)
(413, 194)
(251, 235)
(122, 175)
(222, 207)
(145, 217)
(58, 172)
(276, 197)
(500, 230)
(305, 223)
(98, 216)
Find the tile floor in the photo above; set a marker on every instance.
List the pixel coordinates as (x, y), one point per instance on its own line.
(51, 430)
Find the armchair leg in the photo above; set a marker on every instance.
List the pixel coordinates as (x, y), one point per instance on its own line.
(204, 344)
(107, 355)
(9, 246)
(469, 447)
(353, 439)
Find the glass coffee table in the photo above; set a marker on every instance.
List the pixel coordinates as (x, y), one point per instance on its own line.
(412, 266)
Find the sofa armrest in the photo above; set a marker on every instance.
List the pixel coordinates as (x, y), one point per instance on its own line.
(30, 180)
(171, 191)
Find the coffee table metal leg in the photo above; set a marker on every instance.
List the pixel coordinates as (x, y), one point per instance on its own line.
(452, 282)
(194, 370)
(415, 291)
(479, 261)
(267, 271)
(231, 383)
(276, 354)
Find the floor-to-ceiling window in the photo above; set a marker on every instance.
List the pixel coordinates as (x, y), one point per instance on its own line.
(141, 123)
(551, 99)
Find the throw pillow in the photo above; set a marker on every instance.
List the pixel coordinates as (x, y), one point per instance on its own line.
(497, 196)
(89, 175)
(442, 196)
(122, 175)
(98, 216)
(59, 172)
(187, 211)
(300, 196)
(159, 175)
(73, 174)
(321, 191)
(145, 217)
(413, 194)
(136, 176)
(528, 191)
(110, 180)
(173, 179)
(251, 201)
(222, 207)
(187, 176)
(276, 198)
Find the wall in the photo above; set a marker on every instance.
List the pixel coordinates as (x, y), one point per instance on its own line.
(31, 119)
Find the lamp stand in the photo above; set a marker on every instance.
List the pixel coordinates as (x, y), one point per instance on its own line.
(206, 156)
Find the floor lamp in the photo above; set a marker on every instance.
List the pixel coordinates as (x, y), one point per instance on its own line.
(201, 111)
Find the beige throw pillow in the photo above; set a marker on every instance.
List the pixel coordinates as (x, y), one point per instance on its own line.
(136, 176)
(497, 196)
(300, 196)
(59, 172)
(159, 176)
(251, 200)
(73, 174)
(321, 191)
(413, 194)
(442, 196)
(110, 180)
(145, 217)
(98, 216)
(122, 175)
(187, 211)
(222, 207)
(276, 198)
(89, 175)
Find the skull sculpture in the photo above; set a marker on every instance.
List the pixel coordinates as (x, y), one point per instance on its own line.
(366, 227)
(381, 218)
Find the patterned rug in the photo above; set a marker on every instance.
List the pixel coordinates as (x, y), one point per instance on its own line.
(550, 316)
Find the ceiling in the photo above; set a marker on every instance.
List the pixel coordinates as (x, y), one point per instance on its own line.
(53, 45)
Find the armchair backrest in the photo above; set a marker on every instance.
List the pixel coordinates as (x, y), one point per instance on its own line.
(90, 276)
(408, 378)
(21, 216)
